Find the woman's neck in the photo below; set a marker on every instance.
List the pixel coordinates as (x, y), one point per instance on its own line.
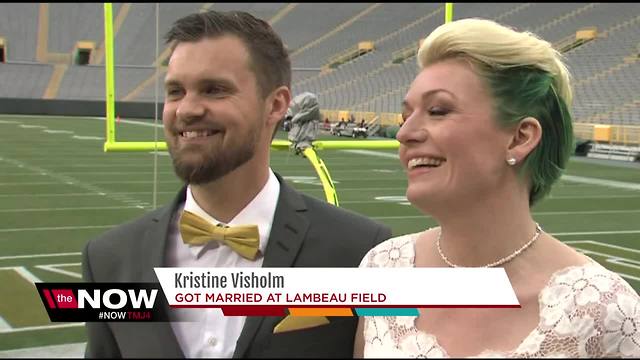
(482, 232)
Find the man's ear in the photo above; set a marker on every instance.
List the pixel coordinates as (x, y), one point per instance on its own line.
(526, 136)
(277, 105)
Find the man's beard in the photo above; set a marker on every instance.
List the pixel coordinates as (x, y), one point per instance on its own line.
(213, 166)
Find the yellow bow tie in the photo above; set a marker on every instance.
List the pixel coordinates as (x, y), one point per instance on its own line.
(243, 239)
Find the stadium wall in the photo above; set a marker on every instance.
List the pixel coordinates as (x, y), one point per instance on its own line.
(128, 109)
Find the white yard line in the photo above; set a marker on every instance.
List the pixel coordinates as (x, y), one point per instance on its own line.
(537, 213)
(53, 351)
(72, 209)
(141, 123)
(571, 178)
(26, 274)
(597, 243)
(42, 327)
(612, 260)
(137, 165)
(127, 173)
(39, 256)
(626, 262)
(561, 197)
(77, 182)
(586, 212)
(404, 199)
(87, 194)
(32, 126)
(53, 195)
(596, 233)
(619, 247)
(55, 268)
(601, 182)
(4, 325)
(23, 174)
(83, 137)
(58, 131)
(72, 181)
(57, 228)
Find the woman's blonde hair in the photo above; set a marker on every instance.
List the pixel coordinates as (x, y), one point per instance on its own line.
(526, 76)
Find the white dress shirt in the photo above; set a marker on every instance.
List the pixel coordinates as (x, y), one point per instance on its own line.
(206, 332)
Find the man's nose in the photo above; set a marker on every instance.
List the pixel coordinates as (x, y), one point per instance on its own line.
(190, 107)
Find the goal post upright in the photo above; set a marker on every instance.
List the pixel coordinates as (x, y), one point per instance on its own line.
(109, 75)
(111, 145)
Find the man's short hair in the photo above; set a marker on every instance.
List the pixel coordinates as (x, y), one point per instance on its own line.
(269, 58)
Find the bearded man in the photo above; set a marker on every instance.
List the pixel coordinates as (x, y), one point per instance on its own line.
(226, 89)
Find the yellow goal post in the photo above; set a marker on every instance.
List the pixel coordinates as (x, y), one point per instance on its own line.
(112, 145)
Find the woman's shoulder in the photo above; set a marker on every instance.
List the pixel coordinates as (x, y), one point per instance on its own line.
(592, 303)
(589, 278)
(398, 251)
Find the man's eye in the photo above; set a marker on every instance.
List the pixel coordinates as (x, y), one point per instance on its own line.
(214, 90)
(173, 92)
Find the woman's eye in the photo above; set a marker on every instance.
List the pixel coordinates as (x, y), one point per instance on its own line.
(437, 111)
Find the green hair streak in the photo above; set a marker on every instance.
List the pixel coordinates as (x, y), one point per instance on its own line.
(526, 91)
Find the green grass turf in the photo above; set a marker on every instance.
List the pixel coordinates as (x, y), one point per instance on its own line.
(57, 192)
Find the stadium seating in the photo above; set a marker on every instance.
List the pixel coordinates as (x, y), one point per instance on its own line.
(605, 69)
(24, 80)
(19, 27)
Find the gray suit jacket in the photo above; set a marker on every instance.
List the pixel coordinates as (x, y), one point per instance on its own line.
(306, 232)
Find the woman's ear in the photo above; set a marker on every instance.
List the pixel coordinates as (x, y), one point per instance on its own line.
(526, 136)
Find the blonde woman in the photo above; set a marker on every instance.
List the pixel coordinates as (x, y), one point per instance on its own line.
(487, 132)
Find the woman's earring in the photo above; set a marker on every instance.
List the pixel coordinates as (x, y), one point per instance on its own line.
(511, 161)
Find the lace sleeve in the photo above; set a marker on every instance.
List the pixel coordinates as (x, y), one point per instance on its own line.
(621, 323)
(366, 260)
(587, 311)
(395, 252)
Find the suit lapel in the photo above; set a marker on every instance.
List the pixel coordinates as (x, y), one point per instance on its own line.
(160, 336)
(287, 234)
(156, 238)
(288, 230)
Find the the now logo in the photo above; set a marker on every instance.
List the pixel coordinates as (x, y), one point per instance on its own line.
(117, 298)
(100, 301)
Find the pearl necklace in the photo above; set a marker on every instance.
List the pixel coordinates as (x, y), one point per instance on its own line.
(495, 263)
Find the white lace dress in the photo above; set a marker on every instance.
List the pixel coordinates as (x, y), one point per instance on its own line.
(585, 311)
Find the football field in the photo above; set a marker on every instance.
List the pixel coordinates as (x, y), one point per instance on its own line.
(58, 189)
